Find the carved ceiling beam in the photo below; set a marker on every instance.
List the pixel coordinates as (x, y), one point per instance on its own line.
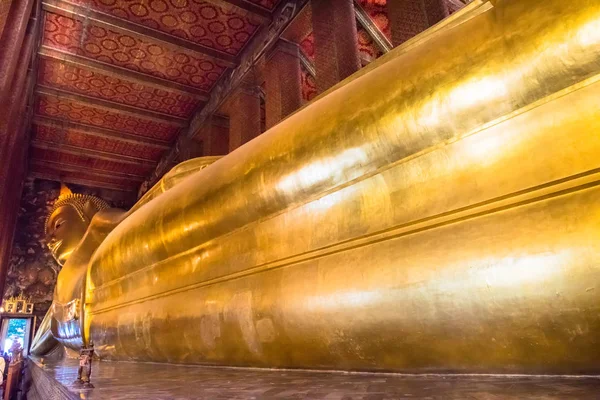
(120, 73)
(76, 169)
(79, 181)
(260, 13)
(285, 12)
(102, 155)
(372, 29)
(87, 155)
(111, 106)
(109, 21)
(99, 132)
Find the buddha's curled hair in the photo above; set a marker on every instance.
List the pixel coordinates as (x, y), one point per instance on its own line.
(78, 202)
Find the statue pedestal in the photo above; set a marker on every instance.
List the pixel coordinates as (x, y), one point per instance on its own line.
(130, 380)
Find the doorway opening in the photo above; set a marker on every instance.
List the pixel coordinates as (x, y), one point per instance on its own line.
(15, 330)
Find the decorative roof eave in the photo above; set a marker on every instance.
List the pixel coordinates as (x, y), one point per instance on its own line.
(112, 106)
(101, 155)
(99, 132)
(67, 178)
(59, 169)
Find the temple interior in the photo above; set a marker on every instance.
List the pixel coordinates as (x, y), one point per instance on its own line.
(300, 199)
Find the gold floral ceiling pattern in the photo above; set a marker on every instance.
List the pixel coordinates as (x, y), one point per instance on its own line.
(113, 46)
(220, 26)
(53, 73)
(119, 80)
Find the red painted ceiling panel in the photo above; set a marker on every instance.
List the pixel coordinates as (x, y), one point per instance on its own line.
(132, 52)
(221, 27)
(82, 113)
(53, 73)
(84, 140)
(88, 162)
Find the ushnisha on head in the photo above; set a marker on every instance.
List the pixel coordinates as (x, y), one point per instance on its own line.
(68, 221)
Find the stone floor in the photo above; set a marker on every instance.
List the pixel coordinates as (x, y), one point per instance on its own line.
(120, 381)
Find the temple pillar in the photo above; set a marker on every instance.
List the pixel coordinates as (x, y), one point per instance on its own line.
(244, 116)
(214, 136)
(408, 18)
(17, 41)
(283, 86)
(336, 43)
(436, 10)
(191, 149)
(14, 18)
(13, 169)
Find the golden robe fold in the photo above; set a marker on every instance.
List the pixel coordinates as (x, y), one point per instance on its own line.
(436, 212)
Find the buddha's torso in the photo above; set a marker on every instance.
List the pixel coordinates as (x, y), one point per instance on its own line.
(69, 297)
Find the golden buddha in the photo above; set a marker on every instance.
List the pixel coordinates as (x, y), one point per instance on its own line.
(437, 211)
(69, 230)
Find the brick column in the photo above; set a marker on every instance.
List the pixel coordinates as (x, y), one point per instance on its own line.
(408, 18)
(283, 82)
(436, 10)
(244, 116)
(336, 43)
(190, 149)
(214, 136)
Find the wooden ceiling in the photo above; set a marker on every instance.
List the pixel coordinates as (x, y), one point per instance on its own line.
(118, 81)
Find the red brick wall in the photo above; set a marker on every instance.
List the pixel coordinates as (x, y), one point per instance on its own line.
(436, 10)
(283, 86)
(244, 118)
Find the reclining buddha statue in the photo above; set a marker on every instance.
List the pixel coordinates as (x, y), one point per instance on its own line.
(437, 211)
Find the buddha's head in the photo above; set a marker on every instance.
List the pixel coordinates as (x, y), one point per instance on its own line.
(68, 221)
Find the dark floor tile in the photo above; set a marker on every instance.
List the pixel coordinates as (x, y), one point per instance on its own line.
(130, 381)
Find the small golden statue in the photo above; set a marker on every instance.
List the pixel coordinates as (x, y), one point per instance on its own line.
(84, 372)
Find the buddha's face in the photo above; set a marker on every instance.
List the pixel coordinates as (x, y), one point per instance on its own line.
(64, 230)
